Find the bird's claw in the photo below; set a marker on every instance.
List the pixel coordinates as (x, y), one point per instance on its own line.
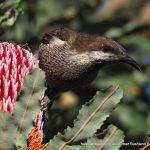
(44, 107)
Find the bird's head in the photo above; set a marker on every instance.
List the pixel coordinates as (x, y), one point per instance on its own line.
(109, 51)
(96, 49)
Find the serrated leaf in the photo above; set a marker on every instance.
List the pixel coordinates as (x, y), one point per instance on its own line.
(7, 131)
(113, 138)
(90, 118)
(28, 105)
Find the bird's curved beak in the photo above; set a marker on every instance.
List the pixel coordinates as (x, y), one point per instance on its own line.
(131, 62)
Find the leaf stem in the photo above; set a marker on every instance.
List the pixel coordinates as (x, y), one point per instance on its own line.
(113, 132)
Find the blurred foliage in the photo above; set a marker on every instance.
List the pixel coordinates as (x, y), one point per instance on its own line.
(126, 21)
(9, 12)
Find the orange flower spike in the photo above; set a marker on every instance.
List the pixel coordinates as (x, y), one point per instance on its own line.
(35, 140)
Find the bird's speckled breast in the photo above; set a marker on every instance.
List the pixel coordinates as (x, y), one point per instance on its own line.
(67, 69)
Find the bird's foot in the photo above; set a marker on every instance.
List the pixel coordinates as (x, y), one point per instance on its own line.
(45, 101)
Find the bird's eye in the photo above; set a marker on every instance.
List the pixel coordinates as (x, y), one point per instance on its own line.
(106, 48)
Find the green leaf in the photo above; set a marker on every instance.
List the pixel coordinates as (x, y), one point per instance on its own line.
(113, 138)
(7, 131)
(28, 105)
(90, 118)
(15, 127)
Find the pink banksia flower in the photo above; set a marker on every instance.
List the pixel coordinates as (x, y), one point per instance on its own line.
(15, 63)
(38, 122)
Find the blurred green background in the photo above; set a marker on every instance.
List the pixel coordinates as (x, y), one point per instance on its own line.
(126, 21)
